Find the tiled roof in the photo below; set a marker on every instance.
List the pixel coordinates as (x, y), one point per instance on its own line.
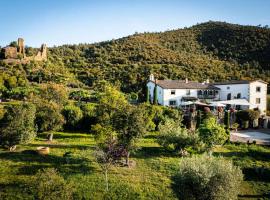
(237, 82)
(182, 84)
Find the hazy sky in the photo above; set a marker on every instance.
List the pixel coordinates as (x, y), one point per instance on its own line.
(57, 22)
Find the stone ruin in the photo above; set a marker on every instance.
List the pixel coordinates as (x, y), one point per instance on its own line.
(17, 54)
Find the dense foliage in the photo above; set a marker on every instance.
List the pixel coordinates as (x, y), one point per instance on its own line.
(204, 178)
(215, 50)
(17, 125)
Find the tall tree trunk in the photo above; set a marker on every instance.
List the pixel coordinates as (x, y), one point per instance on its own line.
(127, 158)
(50, 137)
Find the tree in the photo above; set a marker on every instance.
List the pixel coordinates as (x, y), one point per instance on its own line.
(48, 116)
(106, 155)
(204, 178)
(73, 116)
(17, 125)
(49, 185)
(129, 124)
(155, 95)
(54, 93)
(147, 95)
(211, 133)
(173, 136)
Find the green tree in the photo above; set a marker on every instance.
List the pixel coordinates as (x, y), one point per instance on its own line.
(48, 184)
(73, 116)
(204, 178)
(212, 133)
(155, 95)
(17, 125)
(129, 124)
(54, 93)
(48, 116)
(147, 95)
(173, 136)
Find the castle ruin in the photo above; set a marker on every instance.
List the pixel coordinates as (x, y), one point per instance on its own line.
(17, 54)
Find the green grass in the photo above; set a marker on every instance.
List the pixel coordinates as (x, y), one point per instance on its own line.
(149, 179)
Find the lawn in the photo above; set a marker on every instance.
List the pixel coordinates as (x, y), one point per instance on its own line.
(149, 179)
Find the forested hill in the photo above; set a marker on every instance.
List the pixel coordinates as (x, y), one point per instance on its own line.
(215, 50)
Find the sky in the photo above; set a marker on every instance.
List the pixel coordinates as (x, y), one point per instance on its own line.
(57, 22)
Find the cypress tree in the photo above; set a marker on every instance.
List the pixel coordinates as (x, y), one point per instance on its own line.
(227, 119)
(147, 95)
(155, 96)
(199, 118)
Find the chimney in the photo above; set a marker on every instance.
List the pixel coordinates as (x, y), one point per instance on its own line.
(151, 77)
(207, 81)
(186, 81)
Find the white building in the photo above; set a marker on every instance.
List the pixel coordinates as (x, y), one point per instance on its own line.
(175, 92)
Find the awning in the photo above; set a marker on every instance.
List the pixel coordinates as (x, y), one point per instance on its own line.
(216, 104)
(239, 102)
(186, 103)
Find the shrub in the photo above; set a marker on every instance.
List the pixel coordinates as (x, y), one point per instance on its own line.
(49, 185)
(73, 115)
(211, 133)
(173, 136)
(205, 178)
(17, 125)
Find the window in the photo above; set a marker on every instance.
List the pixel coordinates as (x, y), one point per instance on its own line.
(187, 92)
(238, 96)
(199, 92)
(229, 96)
(172, 103)
(210, 92)
(258, 89)
(228, 88)
(172, 92)
(258, 100)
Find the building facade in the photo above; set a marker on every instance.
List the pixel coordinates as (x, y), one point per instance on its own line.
(176, 92)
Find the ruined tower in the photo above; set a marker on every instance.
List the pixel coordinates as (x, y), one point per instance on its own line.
(21, 49)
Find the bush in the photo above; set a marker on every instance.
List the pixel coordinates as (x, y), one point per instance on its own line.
(73, 115)
(17, 125)
(173, 136)
(49, 185)
(211, 133)
(204, 178)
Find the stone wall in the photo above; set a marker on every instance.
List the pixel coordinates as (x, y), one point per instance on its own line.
(10, 52)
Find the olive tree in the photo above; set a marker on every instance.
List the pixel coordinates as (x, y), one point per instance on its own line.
(17, 125)
(206, 177)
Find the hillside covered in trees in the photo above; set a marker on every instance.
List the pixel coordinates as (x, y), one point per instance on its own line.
(215, 50)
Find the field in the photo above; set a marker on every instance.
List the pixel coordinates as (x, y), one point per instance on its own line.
(151, 178)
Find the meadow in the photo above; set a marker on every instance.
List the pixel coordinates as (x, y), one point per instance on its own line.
(151, 178)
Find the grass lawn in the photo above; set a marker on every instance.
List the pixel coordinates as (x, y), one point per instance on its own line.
(149, 179)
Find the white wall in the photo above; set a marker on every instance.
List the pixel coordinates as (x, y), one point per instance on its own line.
(179, 93)
(262, 95)
(151, 87)
(234, 89)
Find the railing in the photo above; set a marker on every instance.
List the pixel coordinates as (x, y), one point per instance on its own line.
(207, 96)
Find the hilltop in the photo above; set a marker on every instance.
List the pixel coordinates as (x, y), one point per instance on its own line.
(215, 50)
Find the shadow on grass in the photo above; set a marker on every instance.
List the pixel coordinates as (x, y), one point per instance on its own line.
(256, 155)
(255, 196)
(260, 174)
(149, 152)
(30, 157)
(63, 146)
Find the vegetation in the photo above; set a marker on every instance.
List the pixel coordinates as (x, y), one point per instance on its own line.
(173, 136)
(206, 178)
(17, 125)
(212, 133)
(49, 185)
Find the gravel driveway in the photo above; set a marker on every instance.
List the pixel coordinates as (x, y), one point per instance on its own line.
(260, 136)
